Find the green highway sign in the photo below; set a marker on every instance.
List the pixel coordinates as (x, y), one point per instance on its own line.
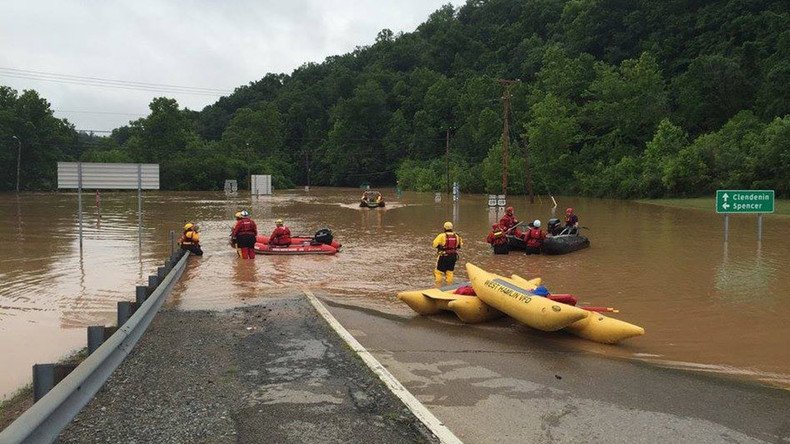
(744, 201)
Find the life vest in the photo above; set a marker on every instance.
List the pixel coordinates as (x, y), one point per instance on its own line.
(508, 221)
(280, 236)
(571, 220)
(499, 238)
(246, 226)
(534, 238)
(189, 238)
(450, 244)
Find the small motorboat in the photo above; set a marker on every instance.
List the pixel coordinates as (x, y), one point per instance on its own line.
(371, 199)
(322, 242)
(561, 241)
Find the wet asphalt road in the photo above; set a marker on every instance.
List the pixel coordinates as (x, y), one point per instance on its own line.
(267, 373)
(505, 383)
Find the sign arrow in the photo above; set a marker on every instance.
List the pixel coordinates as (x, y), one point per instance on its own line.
(726, 196)
(725, 205)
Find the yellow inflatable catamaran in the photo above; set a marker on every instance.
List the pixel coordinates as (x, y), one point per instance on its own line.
(498, 295)
(469, 309)
(595, 326)
(517, 302)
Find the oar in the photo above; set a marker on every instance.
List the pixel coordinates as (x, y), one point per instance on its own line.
(513, 227)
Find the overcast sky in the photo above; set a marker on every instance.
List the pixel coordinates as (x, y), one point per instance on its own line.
(199, 44)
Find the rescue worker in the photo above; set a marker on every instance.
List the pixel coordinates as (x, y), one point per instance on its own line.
(534, 238)
(496, 237)
(509, 221)
(571, 222)
(281, 235)
(190, 239)
(244, 233)
(447, 245)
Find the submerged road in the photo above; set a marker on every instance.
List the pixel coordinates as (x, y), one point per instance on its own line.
(500, 382)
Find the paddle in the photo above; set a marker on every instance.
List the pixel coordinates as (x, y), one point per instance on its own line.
(514, 227)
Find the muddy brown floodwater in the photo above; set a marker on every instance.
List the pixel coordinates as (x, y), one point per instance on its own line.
(704, 305)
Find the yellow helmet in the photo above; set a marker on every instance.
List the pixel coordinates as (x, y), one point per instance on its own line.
(448, 225)
(278, 222)
(189, 226)
(238, 215)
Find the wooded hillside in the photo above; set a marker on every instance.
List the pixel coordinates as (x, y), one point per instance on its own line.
(619, 98)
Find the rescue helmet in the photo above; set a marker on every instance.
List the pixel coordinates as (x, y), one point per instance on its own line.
(238, 215)
(245, 213)
(278, 222)
(568, 210)
(448, 225)
(189, 226)
(509, 210)
(536, 223)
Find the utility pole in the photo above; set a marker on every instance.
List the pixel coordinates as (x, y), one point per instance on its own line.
(506, 130)
(307, 161)
(18, 160)
(447, 160)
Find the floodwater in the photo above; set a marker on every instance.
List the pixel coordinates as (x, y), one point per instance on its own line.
(705, 305)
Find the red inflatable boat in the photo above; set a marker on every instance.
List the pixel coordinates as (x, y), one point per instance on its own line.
(321, 243)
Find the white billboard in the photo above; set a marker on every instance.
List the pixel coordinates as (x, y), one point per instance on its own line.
(109, 176)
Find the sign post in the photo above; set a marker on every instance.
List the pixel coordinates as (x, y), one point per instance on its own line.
(744, 202)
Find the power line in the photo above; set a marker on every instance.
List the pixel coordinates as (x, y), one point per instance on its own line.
(124, 85)
(125, 82)
(96, 112)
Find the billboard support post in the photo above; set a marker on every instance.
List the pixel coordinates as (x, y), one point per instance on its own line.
(79, 200)
(140, 206)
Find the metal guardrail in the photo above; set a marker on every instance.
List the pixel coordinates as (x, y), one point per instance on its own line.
(44, 421)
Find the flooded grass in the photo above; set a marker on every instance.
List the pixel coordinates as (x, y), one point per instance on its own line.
(709, 204)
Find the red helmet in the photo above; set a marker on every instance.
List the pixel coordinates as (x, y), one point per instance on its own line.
(509, 210)
(568, 210)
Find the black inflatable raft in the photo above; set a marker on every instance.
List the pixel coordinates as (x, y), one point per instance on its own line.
(561, 244)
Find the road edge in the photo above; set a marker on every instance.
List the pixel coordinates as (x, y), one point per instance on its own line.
(415, 406)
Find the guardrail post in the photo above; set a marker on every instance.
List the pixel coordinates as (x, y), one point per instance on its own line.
(43, 380)
(172, 243)
(97, 334)
(161, 272)
(168, 266)
(95, 337)
(153, 282)
(140, 293)
(124, 312)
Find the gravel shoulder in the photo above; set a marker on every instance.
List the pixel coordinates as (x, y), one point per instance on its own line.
(274, 372)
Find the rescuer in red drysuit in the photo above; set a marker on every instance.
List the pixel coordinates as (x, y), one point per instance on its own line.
(571, 222)
(509, 221)
(534, 238)
(244, 234)
(281, 235)
(496, 237)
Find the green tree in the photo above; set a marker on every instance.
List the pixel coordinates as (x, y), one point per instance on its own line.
(552, 133)
(665, 145)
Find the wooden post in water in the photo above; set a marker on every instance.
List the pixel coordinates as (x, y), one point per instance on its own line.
(759, 227)
(447, 160)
